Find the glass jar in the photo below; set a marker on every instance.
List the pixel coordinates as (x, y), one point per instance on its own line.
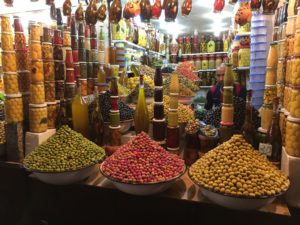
(5, 23)
(36, 71)
(292, 137)
(59, 70)
(11, 85)
(298, 19)
(59, 89)
(291, 25)
(58, 52)
(158, 110)
(49, 70)
(7, 41)
(37, 93)
(172, 118)
(282, 125)
(294, 102)
(38, 122)
(20, 40)
(51, 114)
(9, 61)
(204, 63)
(24, 81)
(266, 116)
(288, 70)
(272, 56)
(13, 108)
(276, 34)
(227, 114)
(22, 60)
(297, 44)
(49, 91)
(283, 30)
(70, 90)
(280, 71)
(228, 77)
(282, 48)
(159, 129)
(294, 78)
(198, 63)
(269, 94)
(244, 56)
(290, 46)
(83, 86)
(35, 32)
(212, 62)
(270, 76)
(280, 92)
(218, 60)
(235, 57)
(173, 136)
(67, 39)
(47, 34)
(47, 50)
(269, 6)
(228, 95)
(57, 39)
(286, 97)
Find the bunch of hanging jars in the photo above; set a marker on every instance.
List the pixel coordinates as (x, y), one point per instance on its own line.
(173, 135)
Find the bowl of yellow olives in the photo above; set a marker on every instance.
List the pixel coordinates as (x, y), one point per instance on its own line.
(236, 176)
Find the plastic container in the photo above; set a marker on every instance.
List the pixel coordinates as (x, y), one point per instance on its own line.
(258, 54)
(257, 70)
(38, 122)
(259, 77)
(292, 137)
(259, 30)
(257, 85)
(257, 94)
(258, 23)
(259, 46)
(258, 62)
(271, 76)
(257, 101)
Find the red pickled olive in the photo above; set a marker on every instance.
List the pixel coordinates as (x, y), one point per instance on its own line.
(70, 77)
(69, 58)
(114, 102)
(93, 42)
(57, 39)
(75, 56)
(17, 24)
(173, 137)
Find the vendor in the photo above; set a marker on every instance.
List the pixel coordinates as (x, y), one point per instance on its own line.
(214, 96)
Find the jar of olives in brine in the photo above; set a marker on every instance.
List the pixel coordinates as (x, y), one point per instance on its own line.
(37, 93)
(38, 122)
(11, 85)
(13, 108)
(52, 114)
(292, 137)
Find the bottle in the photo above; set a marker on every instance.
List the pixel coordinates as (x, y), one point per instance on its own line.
(80, 115)
(141, 117)
(211, 46)
(273, 146)
(219, 44)
(248, 129)
(97, 122)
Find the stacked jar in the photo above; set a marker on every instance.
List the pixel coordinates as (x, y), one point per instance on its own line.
(82, 59)
(13, 99)
(114, 112)
(93, 65)
(158, 119)
(74, 46)
(173, 125)
(37, 107)
(101, 46)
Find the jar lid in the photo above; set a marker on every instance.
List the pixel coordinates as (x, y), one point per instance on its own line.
(173, 149)
(71, 83)
(34, 42)
(114, 128)
(158, 103)
(37, 105)
(174, 94)
(8, 52)
(228, 87)
(262, 130)
(5, 32)
(82, 80)
(82, 62)
(227, 124)
(46, 43)
(292, 17)
(36, 60)
(158, 87)
(19, 95)
(268, 106)
(52, 103)
(270, 86)
(156, 120)
(112, 96)
(70, 69)
(114, 111)
(293, 119)
(59, 81)
(102, 84)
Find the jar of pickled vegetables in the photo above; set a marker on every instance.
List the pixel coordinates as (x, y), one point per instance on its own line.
(22, 59)
(275, 33)
(38, 122)
(286, 96)
(49, 91)
(235, 57)
(211, 62)
(35, 50)
(20, 40)
(280, 71)
(266, 112)
(244, 56)
(37, 71)
(291, 25)
(283, 30)
(58, 52)
(67, 39)
(272, 56)
(59, 70)
(290, 45)
(37, 93)
(7, 41)
(198, 63)
(83, 86)
(298, 19)
(204, 63)
(47, 34)
(49, 70)
(282, 124)
(270, 76)
(297, 44)
(9, 62)
(5, 23)
(47, 51)
(11, 85)
(13, 108)
(269, 94)
(292, 137)
(59, 89)
(288, 71)
(282, 48)
(294, 78)
(280, 92)
(294, 102)
(52, 114)
(218, 60)
(24, 81)
(158, 110)
(35, 32)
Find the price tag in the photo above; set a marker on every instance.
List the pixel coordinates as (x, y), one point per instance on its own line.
(265, 149)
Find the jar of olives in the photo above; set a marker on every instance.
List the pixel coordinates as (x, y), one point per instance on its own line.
(7, 41)
(47, 50)
(204, 63)
(292, 137)
(22, 59)
(38, 122)
(35, 50)
(9, 62)
(37, 93)
(20, 41)
(269, 94)
(24, 81)
(52, 114)
(266, 116)
(294, 102)
(35, 32)
(49, 70)
(11, 85)
(14, 108)
(212, 62)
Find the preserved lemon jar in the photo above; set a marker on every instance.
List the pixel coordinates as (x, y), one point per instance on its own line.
(7, 41)
(11, 85)
(286, 96)
(9, 61)
(280, 71)
(297, 44)
(294, 78)
(13, 108)
(52, 114)
(294, 102)
(35, 32)
(35, 50)
(292, 137)
(272, 56)
(266, 116)
(47, 50)
(269, 94)
(282, 125)
(270, 76)
(280, 92)
(49, 70)
(38, 118)
(37, 93)
(22, 59)
(67, 39)
(244, 56)
(37, 71)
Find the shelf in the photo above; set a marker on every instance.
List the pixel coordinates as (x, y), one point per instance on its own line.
(156, 53)
(204, 87)
(199, 54)
(241, 68)
(243, 34)
(209, 70)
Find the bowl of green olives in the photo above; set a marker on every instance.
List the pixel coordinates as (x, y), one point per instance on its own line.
(208, 137)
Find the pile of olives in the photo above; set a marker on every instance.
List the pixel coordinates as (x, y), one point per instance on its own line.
(66, 150)
(236, 169)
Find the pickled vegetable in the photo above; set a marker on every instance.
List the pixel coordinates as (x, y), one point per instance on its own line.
(37, 94)
(38, 118)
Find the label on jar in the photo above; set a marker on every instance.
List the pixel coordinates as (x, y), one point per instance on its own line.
(265, 149)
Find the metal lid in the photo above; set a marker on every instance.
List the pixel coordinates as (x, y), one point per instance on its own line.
(293, 119)
(37, 105)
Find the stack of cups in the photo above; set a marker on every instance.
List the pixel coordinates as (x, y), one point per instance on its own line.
(74, 45)
(93, 64)
(82, 59)
(13, 97)
(49, 76)
(37, 107)
(159, 119)
(270, 91)
(173, 126)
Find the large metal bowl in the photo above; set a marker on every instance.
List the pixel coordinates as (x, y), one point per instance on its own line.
(142, 189)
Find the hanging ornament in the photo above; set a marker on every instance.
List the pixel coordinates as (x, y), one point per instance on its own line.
(219, 6)
(269, 6)
(232, 2)
(137, 8)
(129, 10)
(49, 2)
(255, 5)
(186, 7)
(156, 9)
(9, 3)
(53, 12)
(115, 12)
(79, 16)
(67, 8)
(171, 10)
(145, 11)
(243, 14)
(101, 12)
(91, 13)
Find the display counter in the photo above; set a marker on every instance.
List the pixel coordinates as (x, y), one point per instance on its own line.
(28, 201)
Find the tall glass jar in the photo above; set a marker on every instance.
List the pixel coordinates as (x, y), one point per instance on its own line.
(218, 60)
(211, 62)
(204, 63)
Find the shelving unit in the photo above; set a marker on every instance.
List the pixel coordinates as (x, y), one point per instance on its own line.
(199, 54)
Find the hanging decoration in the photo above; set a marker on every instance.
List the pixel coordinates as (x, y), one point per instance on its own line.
(67, 8)
(255, 5)
(171, 10)
(156, 9)
(186, 7)
(49, 2)
(91, 13)
(269, 6)
(146, 11)
(129, 10)
(219, 6)
(79, 16)
(101, 12)
(137, 7)
(115, 12)
(243, 14)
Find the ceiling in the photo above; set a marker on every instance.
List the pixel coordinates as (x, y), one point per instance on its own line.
(200, 18)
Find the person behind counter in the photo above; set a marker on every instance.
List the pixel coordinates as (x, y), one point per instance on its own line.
(214, 96)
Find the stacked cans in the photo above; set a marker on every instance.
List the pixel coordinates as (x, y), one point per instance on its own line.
(159, 119)
(173, 126)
